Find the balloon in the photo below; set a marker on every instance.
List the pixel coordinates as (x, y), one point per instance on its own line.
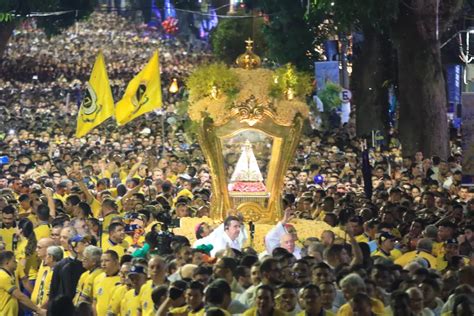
(318, 179)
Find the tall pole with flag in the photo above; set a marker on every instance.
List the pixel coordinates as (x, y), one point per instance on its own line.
(98, 103)
(143, 93)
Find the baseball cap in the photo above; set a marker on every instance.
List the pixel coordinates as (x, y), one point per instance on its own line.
(137, 269)
(384, 236)
(451, 241)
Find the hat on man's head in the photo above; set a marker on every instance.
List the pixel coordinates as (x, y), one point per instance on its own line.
(385, 236)
(451, 241)
(137, 269)
(431, 231)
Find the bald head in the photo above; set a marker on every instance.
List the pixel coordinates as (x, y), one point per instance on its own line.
(42, 247)
(288, 242)
(425, 244)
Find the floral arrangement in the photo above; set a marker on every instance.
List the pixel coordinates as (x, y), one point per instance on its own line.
(247, 187)
(236, 86)
(214, 81)
(170, 26)
(289, 83)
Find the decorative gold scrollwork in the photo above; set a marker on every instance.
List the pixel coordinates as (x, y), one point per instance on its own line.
(251, 211)
(251, 111)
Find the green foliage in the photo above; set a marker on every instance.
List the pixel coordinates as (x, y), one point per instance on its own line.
(348, 15)
(191, 129)
(288, 36)
(182, 107)
(201, 81)
(330, 96)
(228, 38)
(51, 24)
(288, 77)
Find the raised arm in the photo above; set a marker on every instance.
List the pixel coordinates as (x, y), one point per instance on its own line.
(77, 176)
(358, 257)
(51, 205)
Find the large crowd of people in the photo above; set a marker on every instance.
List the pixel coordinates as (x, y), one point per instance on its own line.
(86, 224)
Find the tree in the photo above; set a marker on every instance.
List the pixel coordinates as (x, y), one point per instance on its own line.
(414, 27)
(423, 122)
(228, 38)
(286, 32)
(51, 24)
(371, 57)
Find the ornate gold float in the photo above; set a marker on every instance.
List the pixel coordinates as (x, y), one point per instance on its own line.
(249, 122)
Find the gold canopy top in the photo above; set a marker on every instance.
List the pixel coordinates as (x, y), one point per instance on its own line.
(248, 60)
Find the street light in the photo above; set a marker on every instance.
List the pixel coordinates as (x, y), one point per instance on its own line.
(174, 86)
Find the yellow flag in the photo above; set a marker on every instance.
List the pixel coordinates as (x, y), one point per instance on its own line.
(98, 103)
(143, 93)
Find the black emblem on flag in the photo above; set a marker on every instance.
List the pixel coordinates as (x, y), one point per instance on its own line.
(140, 98)
(89, 106)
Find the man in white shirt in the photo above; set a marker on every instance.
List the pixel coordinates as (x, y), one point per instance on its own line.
(283, 235)
(228, 238)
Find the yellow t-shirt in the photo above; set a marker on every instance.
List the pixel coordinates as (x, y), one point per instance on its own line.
(31, 262)
(130, 304)
(103, 286)
(88, 289)
(394, 254)
(34, 219)
(147, 306)
(96, 207)
(413, 255)
(362, 238)
(80, 287)
(438, 249)
(7, 237)
(120, 249)
(377, 308)
(62, 198)
(42, 231)
(40, 293)
(8, 304)
(116, 300)
(325, 313)
(106, 222)
(184, 310)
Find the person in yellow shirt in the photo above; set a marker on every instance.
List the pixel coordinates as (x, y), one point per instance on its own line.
(311, 302)
(131, 301)
(120, 289)
(109, 210)
(61, 191)
(7, 228)
(91, 262)
(361, 305)
(357, 224)
(38, 295)
(264, 303)
(423, 250)
(105, 282)
(43, 229)
(25, 205)
(351, 285)
(194, 301)
(157, 274)
(386, 247)
(25, 252)
(116, 240)
(10, 295)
